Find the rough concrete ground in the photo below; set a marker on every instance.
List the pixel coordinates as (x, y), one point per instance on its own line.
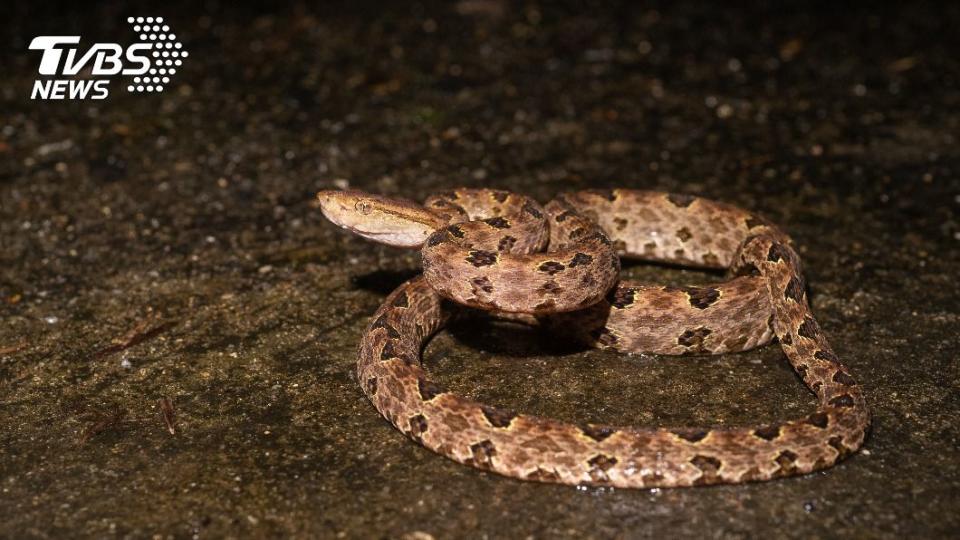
(165, 246)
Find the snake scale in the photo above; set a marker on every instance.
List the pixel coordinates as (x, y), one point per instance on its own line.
(503, 252)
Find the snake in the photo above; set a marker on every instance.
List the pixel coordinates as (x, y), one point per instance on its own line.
(559, 265)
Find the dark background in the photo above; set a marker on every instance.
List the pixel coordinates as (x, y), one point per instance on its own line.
(166, 246)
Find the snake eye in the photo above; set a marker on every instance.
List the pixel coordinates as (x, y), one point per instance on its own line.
(363, 207)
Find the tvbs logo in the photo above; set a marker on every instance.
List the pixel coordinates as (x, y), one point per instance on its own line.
(150, 62)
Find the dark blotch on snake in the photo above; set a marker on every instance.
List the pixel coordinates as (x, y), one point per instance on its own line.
(795, 289)
(401, 301)
(693, 435)
(586, 280)
(600, 237)
(623, 297)
(786, 460)
(483, 284)
(826, 356)
(709, 467)
(541, 475)
(551, 267)
(551, 287)
(436, 238)
(681, 201)
(498, 222)
(418, 425)
(479, 257)
(767, 433)
(702, 297)
(843, 378)
(597, 433)
(499, 418)
(580, 259)
(500, 196)
(382, 322)
(455, 231)
(809, 328)
(846, 400)
(694, 338)
(684, 234)
(599, 465)
(529, 208)
(389, 351)
(836, 442)
(818, 419)
(776, 253)
(506, 243)
(428, 390)
(372, 386)
(483, 453)
(651, 476)
(748, 269)
(561, 217)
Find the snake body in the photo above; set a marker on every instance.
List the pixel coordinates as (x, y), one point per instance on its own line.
(767, 297)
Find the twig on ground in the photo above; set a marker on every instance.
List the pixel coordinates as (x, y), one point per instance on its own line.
(15, 348)
(166, 410)
(138, 334)
(103, 422)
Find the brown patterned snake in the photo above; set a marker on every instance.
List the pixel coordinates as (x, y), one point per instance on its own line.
(486, 249)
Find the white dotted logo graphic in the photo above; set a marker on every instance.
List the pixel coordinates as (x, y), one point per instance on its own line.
(148, 64)
(165, 58)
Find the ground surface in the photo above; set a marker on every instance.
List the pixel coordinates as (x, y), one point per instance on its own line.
(165, 246)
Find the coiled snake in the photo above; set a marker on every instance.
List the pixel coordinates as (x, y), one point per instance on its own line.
(503, 252)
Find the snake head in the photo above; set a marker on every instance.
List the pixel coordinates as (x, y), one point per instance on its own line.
(391, 221)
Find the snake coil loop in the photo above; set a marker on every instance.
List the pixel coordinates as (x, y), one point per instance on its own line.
(503, 252)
